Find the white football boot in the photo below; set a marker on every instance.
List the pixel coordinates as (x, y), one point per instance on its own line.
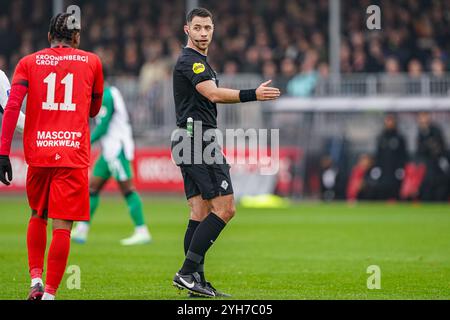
(141, 235)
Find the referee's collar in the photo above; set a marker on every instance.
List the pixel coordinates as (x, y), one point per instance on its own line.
(195, 51)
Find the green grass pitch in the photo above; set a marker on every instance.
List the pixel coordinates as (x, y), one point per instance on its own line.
(307, 251)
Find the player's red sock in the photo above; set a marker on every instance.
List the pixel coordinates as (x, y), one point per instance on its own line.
(36, 244)
(57, 259)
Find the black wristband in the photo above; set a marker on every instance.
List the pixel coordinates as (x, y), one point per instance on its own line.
(247, 95)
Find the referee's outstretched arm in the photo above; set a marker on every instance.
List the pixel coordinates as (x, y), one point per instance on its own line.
(209, 90)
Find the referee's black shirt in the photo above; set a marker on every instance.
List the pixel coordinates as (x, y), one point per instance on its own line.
(191, 69)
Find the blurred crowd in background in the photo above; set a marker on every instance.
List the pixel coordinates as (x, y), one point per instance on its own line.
(284, 40)
(391, 172)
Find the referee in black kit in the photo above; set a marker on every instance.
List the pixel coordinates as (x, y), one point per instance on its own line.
(207, 186)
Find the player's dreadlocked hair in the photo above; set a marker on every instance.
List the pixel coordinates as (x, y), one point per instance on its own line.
(59, 28)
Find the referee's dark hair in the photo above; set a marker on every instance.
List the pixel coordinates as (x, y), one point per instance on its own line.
(198, 12)
(59, 29)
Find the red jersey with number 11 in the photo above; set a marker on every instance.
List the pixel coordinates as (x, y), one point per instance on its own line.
(61, 84)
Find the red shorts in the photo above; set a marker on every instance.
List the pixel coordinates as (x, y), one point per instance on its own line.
(63, 192)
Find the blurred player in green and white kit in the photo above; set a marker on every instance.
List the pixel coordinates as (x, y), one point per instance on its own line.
(114, 132)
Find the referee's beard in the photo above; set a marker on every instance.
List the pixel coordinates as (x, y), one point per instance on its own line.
(201, 45)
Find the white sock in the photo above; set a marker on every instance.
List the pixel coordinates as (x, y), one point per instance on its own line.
(35, 281)
(141, 229)
(48, 296)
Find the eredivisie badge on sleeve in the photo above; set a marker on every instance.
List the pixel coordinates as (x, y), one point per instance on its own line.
(198, 68)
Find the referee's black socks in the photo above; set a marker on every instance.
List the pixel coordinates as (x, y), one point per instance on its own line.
(192, 226)
(203, 238)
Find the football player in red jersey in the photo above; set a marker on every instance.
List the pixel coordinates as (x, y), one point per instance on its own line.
(64, 87)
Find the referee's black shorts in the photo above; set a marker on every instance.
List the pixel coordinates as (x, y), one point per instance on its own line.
(205, 179)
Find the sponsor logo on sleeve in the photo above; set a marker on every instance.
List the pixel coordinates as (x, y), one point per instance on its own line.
(198, 68)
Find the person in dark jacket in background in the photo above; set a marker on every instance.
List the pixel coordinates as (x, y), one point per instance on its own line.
(431, 150)
(390, 160)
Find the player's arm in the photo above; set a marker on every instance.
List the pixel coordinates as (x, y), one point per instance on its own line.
(5, 88)
(19, 90)
(104, 116)
(97, 91)
(209, 90)
(20, 122)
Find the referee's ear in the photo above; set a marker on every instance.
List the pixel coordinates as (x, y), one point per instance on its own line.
(186, 29)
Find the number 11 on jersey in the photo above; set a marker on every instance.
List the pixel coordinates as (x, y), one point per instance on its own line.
(50, 103)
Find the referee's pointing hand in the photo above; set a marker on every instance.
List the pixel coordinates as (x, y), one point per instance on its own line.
(264, 93)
